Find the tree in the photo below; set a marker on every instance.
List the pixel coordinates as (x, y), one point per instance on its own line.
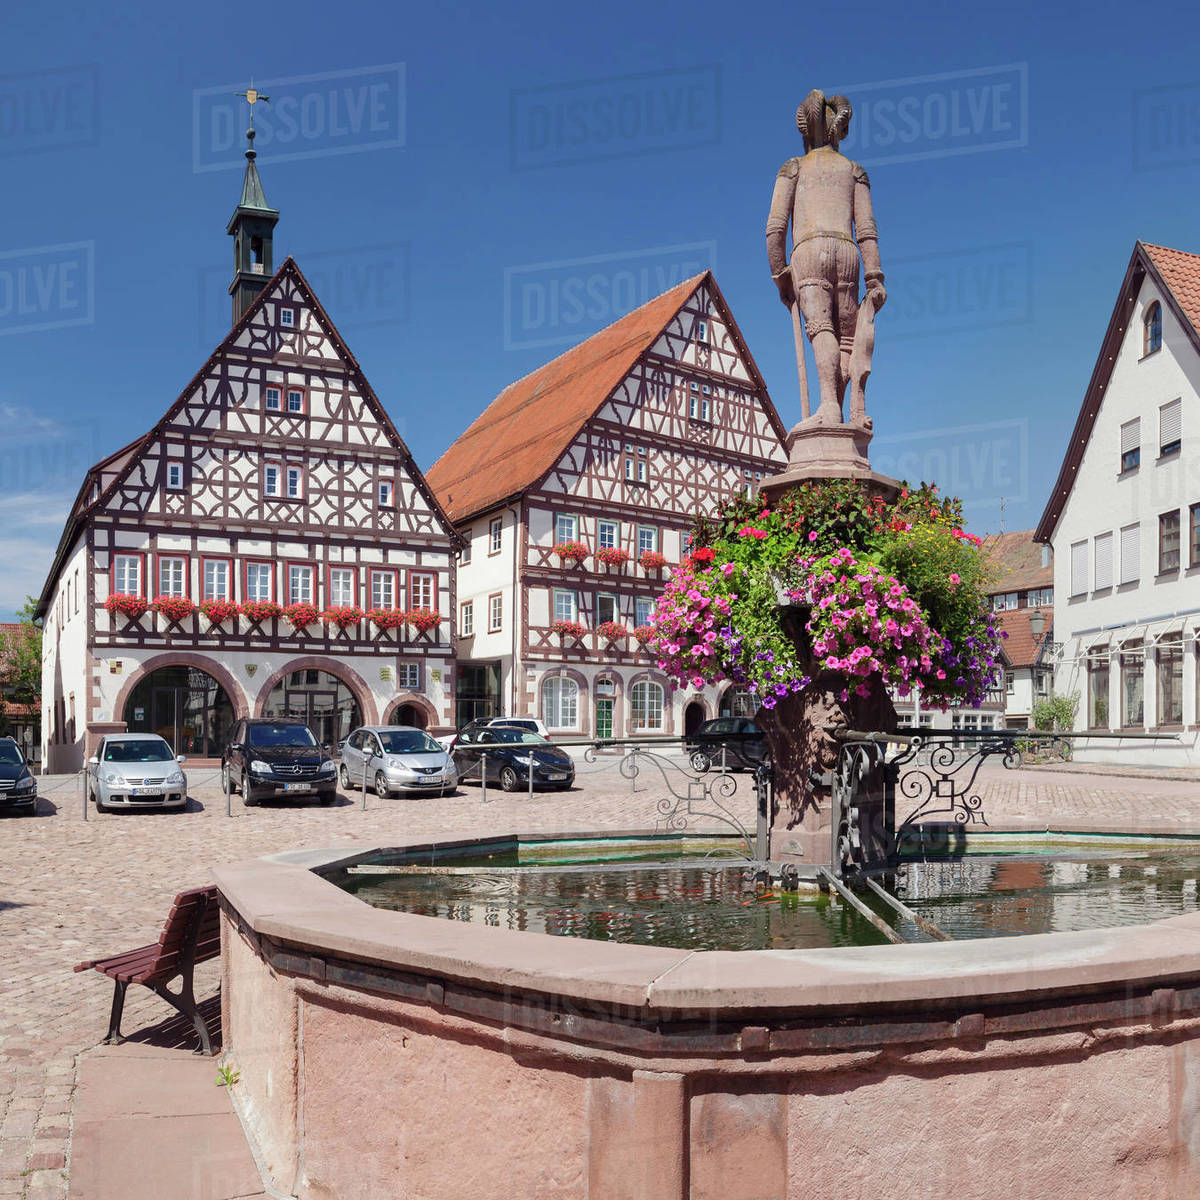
(21, 660)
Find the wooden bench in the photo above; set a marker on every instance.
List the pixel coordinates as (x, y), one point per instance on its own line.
(191, 935)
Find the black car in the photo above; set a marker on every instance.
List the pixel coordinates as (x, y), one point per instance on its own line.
(18, 788)
(743, 743)
(267, 757)
(511, 753)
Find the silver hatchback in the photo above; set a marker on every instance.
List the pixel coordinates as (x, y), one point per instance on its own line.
(135, 770)
(396, 758)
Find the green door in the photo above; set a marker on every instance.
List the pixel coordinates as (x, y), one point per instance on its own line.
(604, 718)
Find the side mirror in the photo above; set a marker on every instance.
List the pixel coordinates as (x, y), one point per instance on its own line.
(93, 761)
(181, 758)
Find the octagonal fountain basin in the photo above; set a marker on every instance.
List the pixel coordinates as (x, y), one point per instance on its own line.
(387, 1053)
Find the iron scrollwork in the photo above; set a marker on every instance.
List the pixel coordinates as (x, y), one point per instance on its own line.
(943, 783)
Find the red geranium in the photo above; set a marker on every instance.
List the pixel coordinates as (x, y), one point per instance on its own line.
(422, 619)
(174, 608)
(260, 610)
(301, 616)
(218, 611)
(386, 618)
(342, 615)
(651, 560)
(130, 606)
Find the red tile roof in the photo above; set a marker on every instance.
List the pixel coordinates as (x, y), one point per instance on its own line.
(1016, 561)
(526, 429)
(1180, 271)
(1020, 648)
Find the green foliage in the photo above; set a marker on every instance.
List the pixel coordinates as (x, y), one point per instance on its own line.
(227, 1076)
(21, 659)
(1056, 713)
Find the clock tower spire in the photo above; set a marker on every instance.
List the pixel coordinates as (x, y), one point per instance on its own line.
(252, 227)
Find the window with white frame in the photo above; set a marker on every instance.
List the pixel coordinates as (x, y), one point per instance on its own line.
(464, 555)
(1079, 568)
(385, 493)
(383, 589)
(1003, 601)
(646, 702)
(1102, 555)
(466, 618)
(702, 331)
(1170, 430)
(172, 576)
(420, 589)
(566, 605)
(216, 579)
(1131, 552)
(274, 399)
(287, 318)
(560, 703)
(408, 676)
(295, 400)
(300, 584)
(606, 608)
(495, 613)
(341, 586)
(644, 610)
(271, 477)
(295, 483)
(258, 582)
(637, 465)
(608, 534)
(647, 538)
(174, 474)
(495, 534)
(1131, 444)
(566, 527)
(1039, 597)
(747, 482)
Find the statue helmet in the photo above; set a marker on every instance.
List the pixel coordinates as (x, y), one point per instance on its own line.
(822, 121)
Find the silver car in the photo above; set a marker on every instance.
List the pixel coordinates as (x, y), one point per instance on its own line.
(135, 770)
(396, 758)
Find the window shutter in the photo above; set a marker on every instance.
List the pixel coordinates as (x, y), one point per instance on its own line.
(1104, 562)
(1131, 435)
(1130, 551)
(1078, 568)
(1169, 422)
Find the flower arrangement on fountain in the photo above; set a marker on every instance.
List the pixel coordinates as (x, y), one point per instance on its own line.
(260, 610)
(128, 606)
(174, 608)
(612, 556)
(571, 551)
(612, 631)
(422, 619)
(888, 594)
(569, 629)
(219, 612)
(301, 615)
(342, 616)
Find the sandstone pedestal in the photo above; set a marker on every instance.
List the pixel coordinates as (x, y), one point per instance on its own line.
(818, 452)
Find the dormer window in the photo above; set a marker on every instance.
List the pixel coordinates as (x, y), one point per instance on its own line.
(274, 400)
(1152, 329)
(175, 474)
(287, 318)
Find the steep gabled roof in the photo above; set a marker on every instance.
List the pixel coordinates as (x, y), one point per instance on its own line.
(1016, 561)
(83, 508)
(519, 437)
(1176, 274)
(1021, 648)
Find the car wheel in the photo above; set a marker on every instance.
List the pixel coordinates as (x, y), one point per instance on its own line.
(243, 787)
(227, 779)
(508, 779)
(381, 786)
(700, 761)
(344, 776)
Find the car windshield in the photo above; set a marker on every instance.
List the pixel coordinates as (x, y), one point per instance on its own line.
(280, 735)
(150, 750)
(501, 733)
(408, 741)
(9, 753)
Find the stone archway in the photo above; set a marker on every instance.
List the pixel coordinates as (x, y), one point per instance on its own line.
(632, 696)
(421, 709)
(316, 695)
(695, 713)
(583, 699)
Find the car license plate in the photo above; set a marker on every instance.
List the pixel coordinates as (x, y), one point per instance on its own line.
(144, 791)
(557, 775)
(297, 787)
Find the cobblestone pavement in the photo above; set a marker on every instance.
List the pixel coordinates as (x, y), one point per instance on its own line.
(71, 889)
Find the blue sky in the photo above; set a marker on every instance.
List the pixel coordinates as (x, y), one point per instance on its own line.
(450, 177)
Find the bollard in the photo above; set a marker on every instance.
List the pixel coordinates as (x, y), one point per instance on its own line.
(228, 801)
(364, 788)
(531, 774)
(483, 776)
(84, 777)
(723, 749)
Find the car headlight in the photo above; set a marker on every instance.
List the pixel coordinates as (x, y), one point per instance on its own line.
(114, 778)
(175, 779)
(258, 767)
(25, 785)
(526, 760)
(326, 768)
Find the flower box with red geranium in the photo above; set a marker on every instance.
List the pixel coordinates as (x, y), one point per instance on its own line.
(651, 560)
(612, 556)
(260, 610)
(301, 616)
(574, 552)
(219, 612)
(422, 619)
(612, 631)
(643, 633)
(128, 606)
(342, 615)
(174, 608)
(386, 618)
(569, 629)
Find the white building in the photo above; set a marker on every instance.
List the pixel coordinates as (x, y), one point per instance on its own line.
(1124, 521)
(616, 444)
(275, 479)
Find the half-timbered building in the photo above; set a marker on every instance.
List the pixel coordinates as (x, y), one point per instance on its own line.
(276, 481)
(574, 492)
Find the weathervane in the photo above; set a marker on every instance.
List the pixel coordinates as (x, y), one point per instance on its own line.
(252, 97)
